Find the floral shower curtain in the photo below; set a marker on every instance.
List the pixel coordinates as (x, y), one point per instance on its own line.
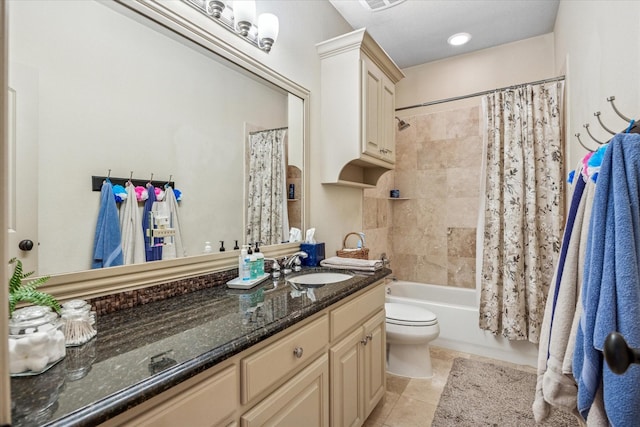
(523, 207)
(267, 218)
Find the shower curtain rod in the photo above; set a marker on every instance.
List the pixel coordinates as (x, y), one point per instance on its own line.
(265, 130)
(473, 95)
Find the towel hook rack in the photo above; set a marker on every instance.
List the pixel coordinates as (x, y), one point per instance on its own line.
(97, 181)
(622, 116)
(580, 142)
(151, 179)
(586, 126)
(597, 114)
(109, 174)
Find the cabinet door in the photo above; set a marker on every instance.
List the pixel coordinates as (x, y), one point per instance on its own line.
(210, 403)
(302, 401)
(388, 121)
(346, 379)
(372, 136)
(374, 362)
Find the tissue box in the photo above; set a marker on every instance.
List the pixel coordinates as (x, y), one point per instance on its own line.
(315, 252)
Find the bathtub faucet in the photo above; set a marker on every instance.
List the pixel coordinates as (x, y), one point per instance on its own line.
(385, 261)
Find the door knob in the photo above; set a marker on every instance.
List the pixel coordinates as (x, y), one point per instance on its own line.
(25, 245)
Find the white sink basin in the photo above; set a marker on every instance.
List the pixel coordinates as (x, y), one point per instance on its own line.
(317, 279)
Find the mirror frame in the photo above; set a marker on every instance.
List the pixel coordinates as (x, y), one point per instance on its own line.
(186, 21)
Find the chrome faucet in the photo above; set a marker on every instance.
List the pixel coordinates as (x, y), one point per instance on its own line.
(275, 267)
(294, 259)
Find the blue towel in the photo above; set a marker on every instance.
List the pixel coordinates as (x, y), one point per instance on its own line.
(107, 244)
(611, 284)
(152, 249)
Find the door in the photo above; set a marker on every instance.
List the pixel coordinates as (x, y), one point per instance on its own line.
(371, 104)
(374, 362)
(22, 186)
(388, 121)
(346, 378)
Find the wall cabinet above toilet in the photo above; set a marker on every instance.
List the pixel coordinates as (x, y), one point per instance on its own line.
(357, 109)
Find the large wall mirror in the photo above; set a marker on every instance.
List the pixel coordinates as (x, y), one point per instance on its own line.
(98, 86)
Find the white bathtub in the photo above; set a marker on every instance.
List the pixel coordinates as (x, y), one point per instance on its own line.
(457, 312)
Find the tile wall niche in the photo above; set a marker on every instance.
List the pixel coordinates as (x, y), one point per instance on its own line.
(294, 205)
(431, 236)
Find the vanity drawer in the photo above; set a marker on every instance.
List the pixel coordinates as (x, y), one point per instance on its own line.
(209, 403)
(267, 366)
(355, 312)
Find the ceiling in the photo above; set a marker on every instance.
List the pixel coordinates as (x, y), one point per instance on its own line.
(414, 32)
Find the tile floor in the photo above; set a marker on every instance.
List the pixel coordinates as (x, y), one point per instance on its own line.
(412, 402)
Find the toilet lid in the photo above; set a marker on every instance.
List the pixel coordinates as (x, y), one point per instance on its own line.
(409, 315)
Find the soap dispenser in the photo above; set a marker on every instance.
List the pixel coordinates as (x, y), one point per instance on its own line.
(260, 260)
(243, 264)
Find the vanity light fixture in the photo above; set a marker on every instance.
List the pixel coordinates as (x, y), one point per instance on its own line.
(240, 18)
(459, 39)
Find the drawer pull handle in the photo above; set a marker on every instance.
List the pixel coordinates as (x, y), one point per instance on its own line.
(298, 352)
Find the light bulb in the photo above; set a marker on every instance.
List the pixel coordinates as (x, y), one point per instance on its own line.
(244, 14)
(459, 39)
(268, 27)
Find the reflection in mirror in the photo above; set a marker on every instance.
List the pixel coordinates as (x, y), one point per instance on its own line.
(95, 88)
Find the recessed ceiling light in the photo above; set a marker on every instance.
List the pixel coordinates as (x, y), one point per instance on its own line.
(459, 39)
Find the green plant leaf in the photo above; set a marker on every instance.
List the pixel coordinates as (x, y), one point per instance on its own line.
(26, 292)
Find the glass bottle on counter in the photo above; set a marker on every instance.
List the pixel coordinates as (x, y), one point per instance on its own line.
(79, 322)
(36, 340)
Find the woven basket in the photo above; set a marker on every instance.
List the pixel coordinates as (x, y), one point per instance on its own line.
(360, 253)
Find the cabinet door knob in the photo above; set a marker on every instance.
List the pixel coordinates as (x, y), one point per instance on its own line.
(369, 337)
(298, 352)
(25, 245)
(363, 342)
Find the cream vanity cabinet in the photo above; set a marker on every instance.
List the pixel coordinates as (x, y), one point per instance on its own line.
(357, 359)
(327, 370)
(357, 109)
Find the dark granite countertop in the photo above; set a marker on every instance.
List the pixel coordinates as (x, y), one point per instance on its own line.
(142, 351)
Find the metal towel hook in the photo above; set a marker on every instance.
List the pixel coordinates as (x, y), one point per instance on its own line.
(597, 114)
(586, 126)
(622, 116)
(109, 174)
(583, 146)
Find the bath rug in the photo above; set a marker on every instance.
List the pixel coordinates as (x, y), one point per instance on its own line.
(484, 394)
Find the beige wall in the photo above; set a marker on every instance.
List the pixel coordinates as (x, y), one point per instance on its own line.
(514, 63)
(597, 45)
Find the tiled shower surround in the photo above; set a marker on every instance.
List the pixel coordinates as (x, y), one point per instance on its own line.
(431, 236)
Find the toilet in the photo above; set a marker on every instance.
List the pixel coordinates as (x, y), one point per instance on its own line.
(410, 329)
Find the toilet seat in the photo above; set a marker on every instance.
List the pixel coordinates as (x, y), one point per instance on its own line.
(409, 315)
